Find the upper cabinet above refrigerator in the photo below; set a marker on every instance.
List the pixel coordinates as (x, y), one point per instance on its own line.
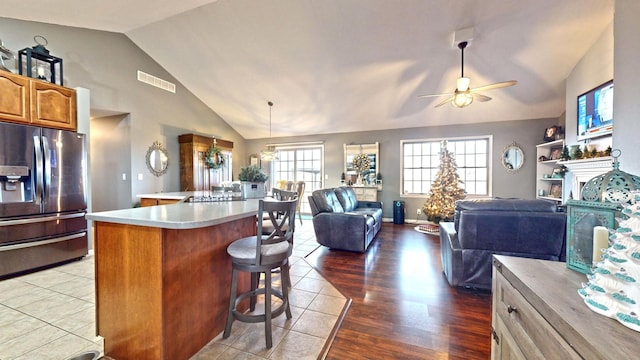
(36, 102)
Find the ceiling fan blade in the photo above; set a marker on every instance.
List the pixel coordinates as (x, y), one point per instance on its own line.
(481, 98)
(495, 86)
(435, 95)
(446, 101)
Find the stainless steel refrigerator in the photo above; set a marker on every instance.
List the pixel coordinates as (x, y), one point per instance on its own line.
(42, 197)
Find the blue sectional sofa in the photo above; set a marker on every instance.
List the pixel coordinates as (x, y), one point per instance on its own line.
(515, 227)
(341, 221)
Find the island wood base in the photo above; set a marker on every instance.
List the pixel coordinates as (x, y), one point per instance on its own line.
(163, 293)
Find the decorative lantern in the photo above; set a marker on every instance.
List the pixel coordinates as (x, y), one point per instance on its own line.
(615, 186)
(602, 200)
(39, 64)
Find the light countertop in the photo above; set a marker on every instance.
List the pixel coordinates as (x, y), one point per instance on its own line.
(170, 195)
(181, 215)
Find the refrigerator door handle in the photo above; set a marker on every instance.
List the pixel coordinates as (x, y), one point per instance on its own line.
(42, 242)
(47, 167)
(39, 179)
(37, 220)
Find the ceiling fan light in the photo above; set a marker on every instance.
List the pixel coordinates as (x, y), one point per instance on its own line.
(462, 84)
(462, 99)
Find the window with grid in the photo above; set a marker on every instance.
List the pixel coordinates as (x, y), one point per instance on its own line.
(421, 161)
(303, 163)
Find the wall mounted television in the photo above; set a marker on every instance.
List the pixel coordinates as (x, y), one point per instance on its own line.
(595, 112)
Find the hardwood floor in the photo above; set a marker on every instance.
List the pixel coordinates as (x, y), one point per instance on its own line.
(402, 306)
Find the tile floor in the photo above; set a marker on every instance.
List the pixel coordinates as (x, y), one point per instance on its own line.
(51, 314)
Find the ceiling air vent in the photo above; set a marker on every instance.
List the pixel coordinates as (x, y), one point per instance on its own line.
(156, 81)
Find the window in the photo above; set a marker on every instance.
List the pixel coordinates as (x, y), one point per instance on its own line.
(299, 163)
(421, 161)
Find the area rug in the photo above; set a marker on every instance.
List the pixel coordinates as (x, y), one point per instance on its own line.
(431, 229)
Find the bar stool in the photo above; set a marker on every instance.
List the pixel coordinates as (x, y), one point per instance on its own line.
(277, 194)
(258, 255)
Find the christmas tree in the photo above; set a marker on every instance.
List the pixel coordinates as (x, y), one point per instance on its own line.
(445, 189)
(565, 154)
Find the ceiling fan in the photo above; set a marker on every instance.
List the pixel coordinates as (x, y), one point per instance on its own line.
(463, 95)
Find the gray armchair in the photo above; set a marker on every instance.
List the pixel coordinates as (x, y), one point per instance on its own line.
(341, 221)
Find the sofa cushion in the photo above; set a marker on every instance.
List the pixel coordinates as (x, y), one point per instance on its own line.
(517, 232)
(347, 198)
(506, 205)
(327, 201)
(520, 205)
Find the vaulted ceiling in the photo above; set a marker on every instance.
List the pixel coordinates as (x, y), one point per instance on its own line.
(350, 65)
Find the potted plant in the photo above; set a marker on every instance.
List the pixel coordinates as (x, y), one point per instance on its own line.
(253, 181)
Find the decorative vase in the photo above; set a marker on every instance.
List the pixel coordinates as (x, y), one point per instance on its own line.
(253, 190)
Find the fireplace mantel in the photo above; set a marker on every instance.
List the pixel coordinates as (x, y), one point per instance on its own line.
(581, 171)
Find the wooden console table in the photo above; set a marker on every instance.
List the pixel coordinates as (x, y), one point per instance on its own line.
(366, 193)
(538, 314)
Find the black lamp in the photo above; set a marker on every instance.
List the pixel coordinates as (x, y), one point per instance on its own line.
(47, 67)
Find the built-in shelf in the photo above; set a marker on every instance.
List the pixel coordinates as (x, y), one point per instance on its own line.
(548, 185)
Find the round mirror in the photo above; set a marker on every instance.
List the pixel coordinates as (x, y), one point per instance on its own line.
(512, 158)
(157, 159)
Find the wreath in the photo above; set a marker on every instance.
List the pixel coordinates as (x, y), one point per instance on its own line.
(214, 158)
(361, 163)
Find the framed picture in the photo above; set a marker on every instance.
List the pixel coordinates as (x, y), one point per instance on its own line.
(254, 160)
(555, 190)
(555, 152)
(553, 133)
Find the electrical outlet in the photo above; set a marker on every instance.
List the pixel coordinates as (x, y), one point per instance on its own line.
(418, 211)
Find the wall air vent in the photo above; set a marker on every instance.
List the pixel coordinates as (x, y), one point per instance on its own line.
(156, 81)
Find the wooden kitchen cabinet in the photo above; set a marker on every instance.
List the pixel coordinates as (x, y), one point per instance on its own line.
(14, 102)
(194, 173)
(53, 106)
(157, 201)
(34, 102)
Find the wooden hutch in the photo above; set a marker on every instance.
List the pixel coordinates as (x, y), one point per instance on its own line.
(194, 173)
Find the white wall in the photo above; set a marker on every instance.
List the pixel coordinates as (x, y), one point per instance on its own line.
(106, 63)
(527, 133)
(111, 147)
(626, 104)
(595, 68)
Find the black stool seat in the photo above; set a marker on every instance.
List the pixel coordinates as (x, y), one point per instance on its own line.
(261, 254)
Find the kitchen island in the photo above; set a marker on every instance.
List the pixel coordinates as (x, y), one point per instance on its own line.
(163, 275)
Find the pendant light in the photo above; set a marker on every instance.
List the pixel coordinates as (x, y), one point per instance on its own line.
(269, 154)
